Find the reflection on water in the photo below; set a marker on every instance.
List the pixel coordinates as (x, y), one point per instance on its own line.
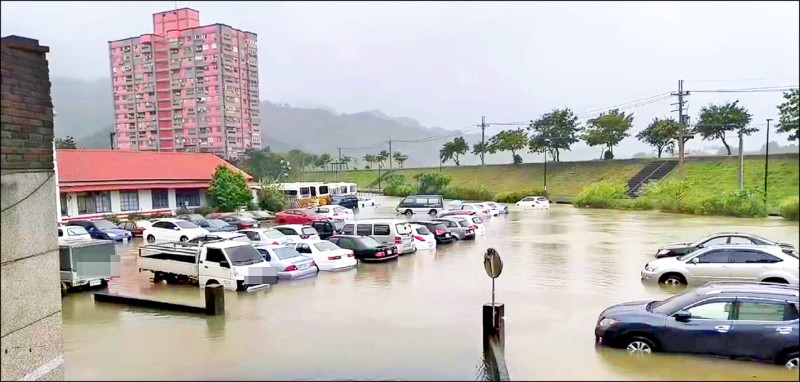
(416, 317)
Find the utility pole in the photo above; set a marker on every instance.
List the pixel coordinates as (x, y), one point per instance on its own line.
(390, 152)
(766, 164)
(681, 120)
(741, 161)
(483, 138)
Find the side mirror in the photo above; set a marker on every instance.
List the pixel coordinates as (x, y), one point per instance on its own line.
(176, 229)
(694, 261)
(224, 264)
(682, 315)
(700, 246)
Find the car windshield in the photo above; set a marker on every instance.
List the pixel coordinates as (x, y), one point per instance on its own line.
(76, 231)
(217, 223)
(246, 214)
(403, 228)
(104, 224)
(440, 227)
(273, 234)
(477, 220)
(464, 223)
(326, 246)
(673, 304)
(185, 224)
(422, 230)
(338, 225)
(686, 256)
(370, 242)
(309, 231)
(285, 252)
(244, 255)
(241, 238)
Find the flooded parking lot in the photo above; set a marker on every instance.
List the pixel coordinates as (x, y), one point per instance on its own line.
(418, 317)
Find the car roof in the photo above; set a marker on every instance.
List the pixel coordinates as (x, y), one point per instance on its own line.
(171, 220)
(740, 288)
(378, 220)
(349, 236)
(292, 226)
(763, 247)
(228, 244)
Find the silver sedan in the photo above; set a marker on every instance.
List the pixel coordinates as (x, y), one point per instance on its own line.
(290, 263)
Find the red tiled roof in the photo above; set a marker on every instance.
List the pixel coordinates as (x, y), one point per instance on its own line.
(117, 165)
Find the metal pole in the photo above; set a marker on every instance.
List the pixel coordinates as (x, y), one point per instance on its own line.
(545, 170)
(440, 160)
(390, 152)
(483, 141)
(741, 161)
(766, 164)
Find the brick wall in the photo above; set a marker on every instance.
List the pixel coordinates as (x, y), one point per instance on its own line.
(27, 109)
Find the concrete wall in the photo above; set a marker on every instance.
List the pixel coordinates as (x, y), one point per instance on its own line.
(32, 344)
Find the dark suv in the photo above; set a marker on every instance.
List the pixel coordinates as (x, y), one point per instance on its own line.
(349, 201)
(730, 319)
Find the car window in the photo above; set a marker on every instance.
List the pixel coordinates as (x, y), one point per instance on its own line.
(674, 303)
(477, 220)
(326, 246)
(716, 241)
(169, 225)
(215, 255)
(528, 199)
(322, 210)
(285, 252)
(714, 257)
(346, 243)
(286, 231)
(403, 228)
(273, 234)
(408, 200)
(422, 230)
(381, 229)
(309, 231)
(252, 235)
(303, 248)
(766, 311)
(753, 257)
(76, 231)
(715, 310)
(265, 254)
(464, 223)
(370, 242)
(186, 224)
(741, 240)
(60, 233)
(364, 229)
(158, 225)
(348, 229)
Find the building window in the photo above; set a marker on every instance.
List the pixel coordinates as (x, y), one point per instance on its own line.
(129, 200)
(187, 198)
(160, 199)
(94, 202)
(64, 205)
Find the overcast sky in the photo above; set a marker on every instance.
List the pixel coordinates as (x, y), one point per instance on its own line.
(448, 63)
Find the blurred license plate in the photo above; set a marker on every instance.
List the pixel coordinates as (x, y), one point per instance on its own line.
(304, 266)
(94, 282)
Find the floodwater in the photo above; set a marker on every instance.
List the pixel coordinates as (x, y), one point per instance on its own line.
(418, 317)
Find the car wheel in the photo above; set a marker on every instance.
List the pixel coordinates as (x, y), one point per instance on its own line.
(64, 289)
(792, 361)
(432, 212)
(408, 212)
(640, 346)
(184, 239)
(151, 239)
(673, 280)
(775, 280)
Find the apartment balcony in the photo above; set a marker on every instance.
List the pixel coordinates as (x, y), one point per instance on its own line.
(146, 48)
(175, 64)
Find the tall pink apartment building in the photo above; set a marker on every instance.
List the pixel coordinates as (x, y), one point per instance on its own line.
(186, 88)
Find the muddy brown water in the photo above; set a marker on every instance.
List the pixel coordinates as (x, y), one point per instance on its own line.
(418, 317)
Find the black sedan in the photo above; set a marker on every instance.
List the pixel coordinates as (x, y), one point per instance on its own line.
(349, 201)
(718, 238)
(439, 230)
(737, 320)
(366, 248)
(326, 229)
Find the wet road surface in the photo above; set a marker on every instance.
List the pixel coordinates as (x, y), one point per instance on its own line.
(418, 317)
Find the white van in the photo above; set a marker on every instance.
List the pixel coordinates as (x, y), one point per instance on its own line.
(421, 204)
(395, 232)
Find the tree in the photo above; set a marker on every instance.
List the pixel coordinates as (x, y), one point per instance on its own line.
(452, 150)
(264, 163)
(607, 130)
(553, 132)
(65, 143)
(483, 148)
(788, 115)
(716, 120)
(370, 159)
(229, 189)
(382, 157)
(400, 158)
(345, 161)
(661, 134)
(271, 197)
(323, 161)
(509, 140)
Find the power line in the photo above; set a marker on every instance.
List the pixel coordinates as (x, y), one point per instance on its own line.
(624, 104)
(745, 79)
(749, 90)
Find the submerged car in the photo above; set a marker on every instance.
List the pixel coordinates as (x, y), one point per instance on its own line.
(102, 229)
(678, 249)
(216, 225)
(534, 202)
(730, 262)
(135, 227)
(327, 256)
(290, 263)
(366, 248)
(738, 320)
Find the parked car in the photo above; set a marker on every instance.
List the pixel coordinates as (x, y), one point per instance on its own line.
(458, 226)
(328, 228)
(439, 230)
(335, 213)
(678, 249)
(172, 229)
(219, 215)
(72, 233)
(739, 320)
(534, 202)
(423, 238)
(327, 256)
(346, 201)
(501, 208)
(194, 218)
(240, 222)
(477, 224)
(262, 215)
(467, 208)
(395, 232)
(234, 236)
(365, 248)
(730, 262)
(290, 263)
(298, 216)
(298, 231)
(102, 229)
(216, 225)
(248, 215)
(261, 236)
(135, 227)
(366, 202)
(421, 204)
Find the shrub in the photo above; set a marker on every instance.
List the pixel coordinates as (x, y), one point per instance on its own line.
(204, 210)
(272, 198)
(462, 193)
(513, 197)
(229, 189)
(601, 195)
(401, 190)
(790, 208)
(742, 203)
(666, 195)
(432, 183)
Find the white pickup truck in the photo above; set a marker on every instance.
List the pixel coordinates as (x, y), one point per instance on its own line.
(233, 264)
